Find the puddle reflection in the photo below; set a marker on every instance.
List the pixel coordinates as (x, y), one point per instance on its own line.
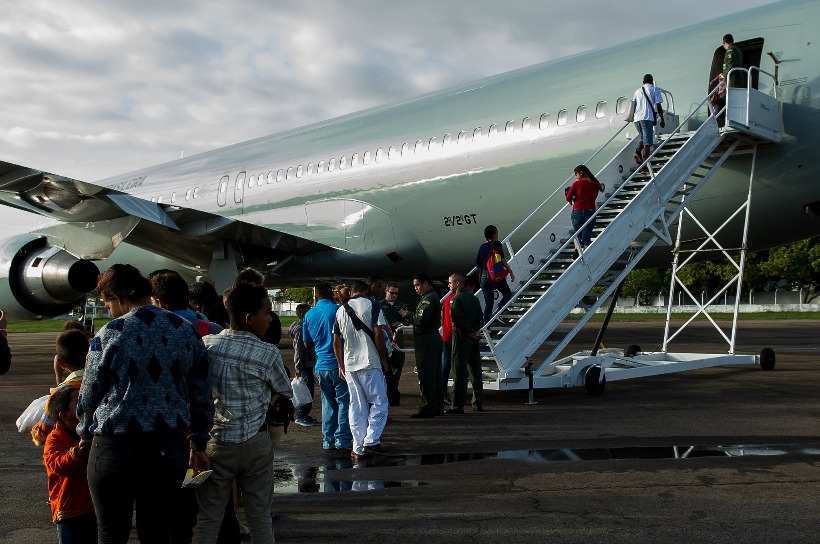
(301, 478)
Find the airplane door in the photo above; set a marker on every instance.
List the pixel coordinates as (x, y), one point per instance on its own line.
(222, 192)
(239, 188)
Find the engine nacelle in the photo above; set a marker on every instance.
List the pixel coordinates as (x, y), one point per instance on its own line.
(37, 279)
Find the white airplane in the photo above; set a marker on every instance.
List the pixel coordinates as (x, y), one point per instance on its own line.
(409, 187)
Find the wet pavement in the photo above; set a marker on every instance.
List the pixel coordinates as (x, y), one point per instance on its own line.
(722, 454)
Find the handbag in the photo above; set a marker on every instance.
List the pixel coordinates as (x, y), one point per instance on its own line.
(301, 393)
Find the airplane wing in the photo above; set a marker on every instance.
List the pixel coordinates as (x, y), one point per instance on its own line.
(93, 220)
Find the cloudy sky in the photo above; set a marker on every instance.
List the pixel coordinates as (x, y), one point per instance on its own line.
(99, 87)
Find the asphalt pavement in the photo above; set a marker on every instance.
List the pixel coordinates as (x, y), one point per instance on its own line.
(726, 454)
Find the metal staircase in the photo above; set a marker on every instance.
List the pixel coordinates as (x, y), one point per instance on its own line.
(639, 207)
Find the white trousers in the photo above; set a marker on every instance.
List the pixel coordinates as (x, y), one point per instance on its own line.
(368, 406)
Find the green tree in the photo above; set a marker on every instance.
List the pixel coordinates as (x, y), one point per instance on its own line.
(300, 295)
(642, 283)
(797, 263)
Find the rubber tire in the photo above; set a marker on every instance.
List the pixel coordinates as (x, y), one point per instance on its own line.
(767, 359)
(594, 389)
(632, 350)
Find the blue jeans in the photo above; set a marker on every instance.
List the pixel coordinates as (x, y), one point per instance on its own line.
(145, 469)
(446, 362)
(489, 288)
(80, 529)
(579, 217)
(646, 129)
(335, 407)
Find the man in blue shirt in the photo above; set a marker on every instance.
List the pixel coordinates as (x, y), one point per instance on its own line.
(317, 332)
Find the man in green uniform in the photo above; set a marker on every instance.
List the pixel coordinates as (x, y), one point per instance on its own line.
(466, 313)
(733, 58)
(427, 346)
(396, 315)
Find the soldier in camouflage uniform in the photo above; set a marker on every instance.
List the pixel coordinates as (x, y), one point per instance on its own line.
(427, 346)
(465, 311)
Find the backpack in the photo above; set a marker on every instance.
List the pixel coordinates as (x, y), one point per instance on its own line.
(495, 266)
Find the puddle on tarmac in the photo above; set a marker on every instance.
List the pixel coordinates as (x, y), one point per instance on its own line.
(301, 478)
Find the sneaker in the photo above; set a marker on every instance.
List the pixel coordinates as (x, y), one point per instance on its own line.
(447, 399)
(360, 456)
(374, 449)
(305, 421)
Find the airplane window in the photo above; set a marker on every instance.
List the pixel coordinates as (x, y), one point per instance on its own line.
(280, 174)
(154, 199)
(354, 160)
(331, 165)
(310, 169)
(526, 123)
(222, 187)
(446, 140)
(366, 158)
(159, 200)
(581, 113)
(290, 173)
(562, 118)
(509, 127)
(544, 121)
(391, 153)
(493, 129)
(270, 177)
(251, 181)
(320, 168)
(379, 154)
(462, 136)
(260, 179)
(173, 197)
(419, 146)
(343, 162)
(299, 170)
(240, 179)
(405, 149)
(196, 192)
(476, 133)
(600, 109)
(221, 190)
(622, 105)
(432, 143)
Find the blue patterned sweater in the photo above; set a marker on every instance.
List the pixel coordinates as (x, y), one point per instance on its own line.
(146, 371)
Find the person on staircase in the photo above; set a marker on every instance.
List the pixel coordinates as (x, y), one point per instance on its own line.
(648, 112)
(488, 286)
(582, 195)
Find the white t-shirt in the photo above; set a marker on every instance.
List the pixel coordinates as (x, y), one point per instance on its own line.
(359, 351)
(643, 109)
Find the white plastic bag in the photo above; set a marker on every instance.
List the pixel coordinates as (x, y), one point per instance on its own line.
(301, 393)
(32, 414)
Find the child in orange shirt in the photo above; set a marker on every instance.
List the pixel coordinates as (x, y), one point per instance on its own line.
(71, 508)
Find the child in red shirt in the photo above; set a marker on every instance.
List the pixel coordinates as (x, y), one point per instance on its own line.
(71, 508)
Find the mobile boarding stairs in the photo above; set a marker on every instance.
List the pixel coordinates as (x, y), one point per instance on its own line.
(523, 340)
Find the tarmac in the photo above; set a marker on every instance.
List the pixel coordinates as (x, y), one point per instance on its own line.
(571, 468)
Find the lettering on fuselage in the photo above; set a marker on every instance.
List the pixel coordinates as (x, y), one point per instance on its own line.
(458, 220)
(128, 184)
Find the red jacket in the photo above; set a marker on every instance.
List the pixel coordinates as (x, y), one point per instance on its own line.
(446, 321)
(67, 480)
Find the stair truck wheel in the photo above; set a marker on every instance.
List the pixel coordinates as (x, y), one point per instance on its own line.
(591, 384)
(632, 350)
(767, 359)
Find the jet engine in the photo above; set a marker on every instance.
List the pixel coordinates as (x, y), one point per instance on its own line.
(38, 279)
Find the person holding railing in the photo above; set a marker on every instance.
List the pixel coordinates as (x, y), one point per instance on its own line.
(582, 195)
(647, 111)
(489, 285)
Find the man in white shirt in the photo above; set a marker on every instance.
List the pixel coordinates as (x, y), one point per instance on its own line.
(358, 342)
(648, 110)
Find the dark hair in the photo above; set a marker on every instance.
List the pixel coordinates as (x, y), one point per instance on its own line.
(371, 280)
(72, 325)
(393, 284)
(243, 300)
(324, 291)
(250, 275)
(585, 172)
(171, 289)
(72, 347)
(359, 287)
(648, 79)
(424, 277)
(210, 303)
(59, 401)
(489, 231)
(728, 38)
(124, 282)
